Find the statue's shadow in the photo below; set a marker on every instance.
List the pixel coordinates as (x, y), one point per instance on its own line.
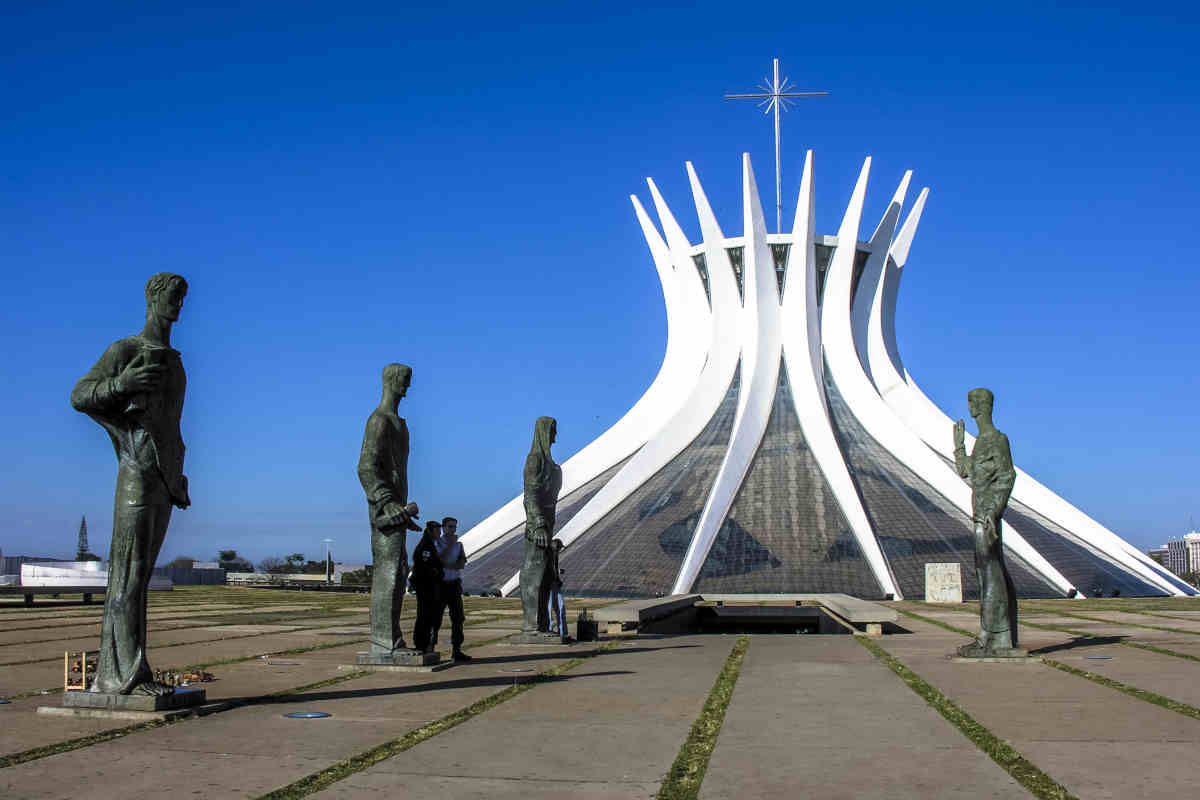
(518, 657)
(1076, 643)
(499, 681)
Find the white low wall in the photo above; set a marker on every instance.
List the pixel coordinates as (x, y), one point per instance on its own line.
(76, 574)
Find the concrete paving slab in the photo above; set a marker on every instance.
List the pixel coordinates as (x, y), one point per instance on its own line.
(613, 725)
(1075, 730)
(261, 748)
(819, 716)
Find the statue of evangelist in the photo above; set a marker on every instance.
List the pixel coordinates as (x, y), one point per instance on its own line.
(383, 472)
(135, 392)
(543, 480)
(989, 470)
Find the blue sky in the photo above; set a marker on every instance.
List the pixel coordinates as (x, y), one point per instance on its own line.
(350, 185)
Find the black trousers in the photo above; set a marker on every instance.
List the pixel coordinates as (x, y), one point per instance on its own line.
(429, 614)
(452, 601)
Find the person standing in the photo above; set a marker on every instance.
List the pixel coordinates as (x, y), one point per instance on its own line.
(557, 608)
(427, 582)
(454, 559)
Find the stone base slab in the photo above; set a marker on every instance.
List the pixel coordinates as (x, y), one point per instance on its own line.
(181, 698)
(552, 639)
(134, 716)
(398, 658)
(1025, 659)
(441, 665)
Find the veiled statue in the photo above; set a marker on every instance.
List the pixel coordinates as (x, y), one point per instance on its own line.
(543, 480)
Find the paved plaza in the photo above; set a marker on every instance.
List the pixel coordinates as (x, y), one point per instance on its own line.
(1113, 710)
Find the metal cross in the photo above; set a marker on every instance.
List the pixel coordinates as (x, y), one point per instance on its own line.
(776, 98)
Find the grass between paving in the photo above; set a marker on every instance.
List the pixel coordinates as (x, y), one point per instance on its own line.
(1120, 623)
(1162, 701)
(1038, 783)
(686, 775)
(1133, 691)
(341, 770)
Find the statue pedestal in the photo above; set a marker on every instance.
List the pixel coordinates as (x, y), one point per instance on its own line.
(180, 698)
(397, 661)
(183, 702)
(1013, 655)
(541, 637)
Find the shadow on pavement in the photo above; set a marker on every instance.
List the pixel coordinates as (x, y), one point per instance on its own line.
(1077, 642)
(500, 682)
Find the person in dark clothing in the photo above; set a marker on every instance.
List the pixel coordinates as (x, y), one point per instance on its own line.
(454, 558)
(427, 581)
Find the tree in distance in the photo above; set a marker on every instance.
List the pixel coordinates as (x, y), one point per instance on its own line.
(230, 561)
(295, 564)
(185, 562)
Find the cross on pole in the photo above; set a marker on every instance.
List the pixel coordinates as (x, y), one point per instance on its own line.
(776, 96)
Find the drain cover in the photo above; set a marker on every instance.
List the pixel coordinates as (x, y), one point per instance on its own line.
(4, 702)
(1098, 658)
(307, 715)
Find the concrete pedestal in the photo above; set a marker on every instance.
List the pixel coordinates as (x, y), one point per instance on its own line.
(185, 702)
(180, 698)
(397, 658)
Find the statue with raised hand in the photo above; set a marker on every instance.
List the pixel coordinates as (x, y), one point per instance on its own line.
(135, 392)
(383, 472)
(543, 480)
(989, 470)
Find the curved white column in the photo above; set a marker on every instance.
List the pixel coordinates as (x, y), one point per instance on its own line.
(723, 346)
(687, 330)
(761, 346)
(934, 427)
(838, 320)
(801, 339)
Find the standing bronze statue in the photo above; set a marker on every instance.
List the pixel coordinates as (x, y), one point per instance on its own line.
(543, 480)
(135, 392)
(383, 472)
(989, 470)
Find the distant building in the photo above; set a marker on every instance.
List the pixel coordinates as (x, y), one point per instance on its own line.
(1183, 555)
(1159, 554)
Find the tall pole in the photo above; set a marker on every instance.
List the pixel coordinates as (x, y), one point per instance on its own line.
(778, 161)
(775, 97)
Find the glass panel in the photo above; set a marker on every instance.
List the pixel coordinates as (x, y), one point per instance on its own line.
(824, 256)
(785, 531)
(913, 522)
(637, 549)
(860, 263)
(779, 254)
(702, 267)
(735, 260)
(1085, 568)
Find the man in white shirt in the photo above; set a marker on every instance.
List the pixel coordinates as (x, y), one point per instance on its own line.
(453, 558)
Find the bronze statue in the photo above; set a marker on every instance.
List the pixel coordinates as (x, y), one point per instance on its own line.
(135, 392)
(989, 470)
(383, 472)
(543, 480)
